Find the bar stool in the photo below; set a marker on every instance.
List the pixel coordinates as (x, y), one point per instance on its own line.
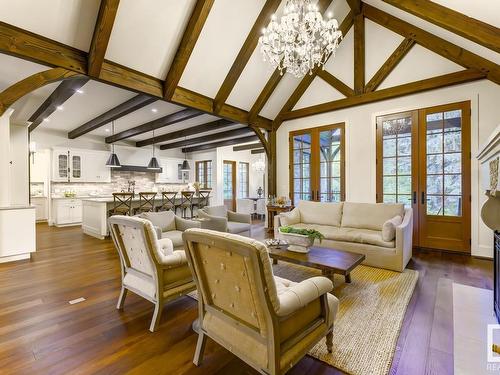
(146, 202)
(167, 201)
(203, 197)
(186, 202)
(122, 204)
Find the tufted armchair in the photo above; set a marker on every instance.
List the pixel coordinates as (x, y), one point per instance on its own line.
(268, 322)
(150, 267)
(224, 220)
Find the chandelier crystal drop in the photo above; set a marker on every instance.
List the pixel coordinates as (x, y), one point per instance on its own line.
(300, 40)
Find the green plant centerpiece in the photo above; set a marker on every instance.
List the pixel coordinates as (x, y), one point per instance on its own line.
(299, 239)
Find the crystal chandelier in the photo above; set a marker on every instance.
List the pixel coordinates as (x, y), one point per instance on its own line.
(301, 39)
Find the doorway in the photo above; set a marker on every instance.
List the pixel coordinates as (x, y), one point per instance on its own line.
(229, 182)
(423, 161)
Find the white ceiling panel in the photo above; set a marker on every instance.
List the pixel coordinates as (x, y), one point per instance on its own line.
(28, 104)
(223, 34)
(146, 34)
(67, 21)
(484, 10)
(13, 70)
(342, 64)
(280, 95)
(318, 92)
(96, 98)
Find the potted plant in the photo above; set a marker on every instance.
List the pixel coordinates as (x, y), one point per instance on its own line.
(299, 240)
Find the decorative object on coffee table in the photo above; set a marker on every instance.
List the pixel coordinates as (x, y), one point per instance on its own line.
(329, 261)
(299, 239)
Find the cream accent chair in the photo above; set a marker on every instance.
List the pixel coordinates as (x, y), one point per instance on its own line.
(149, 267)
(224, 220)
(268, 322)
(245, 206)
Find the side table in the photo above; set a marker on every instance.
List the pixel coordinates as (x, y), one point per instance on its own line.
(272, 211)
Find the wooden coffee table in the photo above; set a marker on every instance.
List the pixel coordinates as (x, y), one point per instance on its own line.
(329, 261)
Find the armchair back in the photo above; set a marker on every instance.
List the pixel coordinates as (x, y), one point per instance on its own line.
(220, 211)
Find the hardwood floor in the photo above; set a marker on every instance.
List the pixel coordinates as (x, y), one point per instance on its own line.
(41, 333)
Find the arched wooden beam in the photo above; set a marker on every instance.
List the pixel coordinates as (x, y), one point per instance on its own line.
(269, 145)
(262, 139)
(15, 92)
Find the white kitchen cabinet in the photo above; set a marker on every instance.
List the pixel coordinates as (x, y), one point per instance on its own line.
(95, 167)
(41, 208)
(60, 165)
(74, 165)
(67, 211)
(171, 172)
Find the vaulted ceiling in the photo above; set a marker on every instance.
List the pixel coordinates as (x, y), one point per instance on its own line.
(204, 55)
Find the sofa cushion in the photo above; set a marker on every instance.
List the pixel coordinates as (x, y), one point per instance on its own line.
(216, 211)
(320, 213)
(389, 228)
(290, 218)
(165, 220)
(176, 238)
(369, 215)
(236, 227)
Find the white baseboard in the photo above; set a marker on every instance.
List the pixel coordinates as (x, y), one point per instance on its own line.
(13, 258)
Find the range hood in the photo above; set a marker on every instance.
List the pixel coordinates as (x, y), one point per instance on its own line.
(137, 168)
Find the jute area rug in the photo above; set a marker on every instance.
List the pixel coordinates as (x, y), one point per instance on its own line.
(367, 326)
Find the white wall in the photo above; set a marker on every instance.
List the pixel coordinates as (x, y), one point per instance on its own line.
(19, 172)
(360, 143)
(5, 158)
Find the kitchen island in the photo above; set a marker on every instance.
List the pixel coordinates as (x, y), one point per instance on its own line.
(95, 214)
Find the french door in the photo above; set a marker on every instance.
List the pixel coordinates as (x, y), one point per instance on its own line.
(229, 184)
(423, 161)
(317, 164)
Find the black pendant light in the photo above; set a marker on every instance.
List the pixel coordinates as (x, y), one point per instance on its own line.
(113, 161)
(185, 164)
(153, 163)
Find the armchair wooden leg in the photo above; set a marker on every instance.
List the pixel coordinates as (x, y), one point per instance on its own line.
(121, 299)
(329, 341)
(200, 348)
(156, 316)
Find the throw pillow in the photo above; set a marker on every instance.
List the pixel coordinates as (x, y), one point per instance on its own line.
(389, 228)
(163, 219)
(290, 218)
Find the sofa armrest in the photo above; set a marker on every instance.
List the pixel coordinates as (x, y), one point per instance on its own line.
(239, 217)
(158, 232)
(166, 256)
(217, 223)
(183, 224)
(303, 293)
(404, 237)
(277, 224)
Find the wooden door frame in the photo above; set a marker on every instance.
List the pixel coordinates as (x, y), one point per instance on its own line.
(315, 159)
(233, 182)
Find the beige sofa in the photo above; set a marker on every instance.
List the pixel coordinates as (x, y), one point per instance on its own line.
(358, 228)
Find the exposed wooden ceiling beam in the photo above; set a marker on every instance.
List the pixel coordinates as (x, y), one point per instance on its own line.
(436, 44)
(359, 53)
(161, 122)
(63, 92)
(245, 53)
(102, 33)
(188, 41)
(389, 93)
(470, 28)
(389, 65)
(29, 46)
(227, 142)
(131, 105)
(208, 138)
(258, 151)
(209, 126)
(335, 83)
(355, 6)
(247, 147)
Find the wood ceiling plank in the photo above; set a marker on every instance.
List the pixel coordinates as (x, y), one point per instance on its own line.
(191, 33)
(63, 92)
(209, 126)
(389, 65)
(470, 28)
(355, 6)
(434, 43)
(335, 83)
(247, 147)
(228, 142)
(131, 105)
(359, 54)
(161, 122)
(102, 33)
(445, 80)
(208, 138)
(245, 53)
(258, 151)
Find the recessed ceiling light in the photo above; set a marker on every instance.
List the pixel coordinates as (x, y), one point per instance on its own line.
(80, 91)
(60, 107)
(46, 120)
(154, 110)
(106, 130)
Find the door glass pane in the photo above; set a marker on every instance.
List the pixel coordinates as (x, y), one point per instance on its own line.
(228, 181)
(396, 160)
(301, 167)
(63, 165)
(76, 166)
(330, 149)
(444, 163)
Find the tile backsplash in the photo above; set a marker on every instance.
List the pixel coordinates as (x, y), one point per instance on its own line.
(144, 181)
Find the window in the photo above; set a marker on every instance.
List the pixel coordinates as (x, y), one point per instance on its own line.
(204, 173)
(243, 169)
(317, 164)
